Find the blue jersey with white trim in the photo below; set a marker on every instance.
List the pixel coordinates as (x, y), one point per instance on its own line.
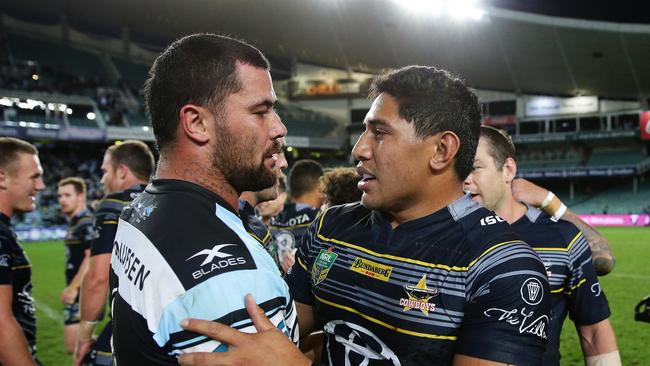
(456, 281)
(180, 251)
(573, 282)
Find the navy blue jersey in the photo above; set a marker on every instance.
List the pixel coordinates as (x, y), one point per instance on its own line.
(106, 217)
(456, 281)
(181, 251)
(256, 228)
(15, 270)
(574, 286)
(288, 227)
(77, 240)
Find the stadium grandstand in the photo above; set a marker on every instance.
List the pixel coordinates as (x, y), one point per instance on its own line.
(571, 86)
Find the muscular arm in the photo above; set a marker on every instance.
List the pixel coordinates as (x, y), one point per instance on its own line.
(94, 287)
(14, 349)
(597, 339)
(534, 195)
(69, 293)
(306, 319)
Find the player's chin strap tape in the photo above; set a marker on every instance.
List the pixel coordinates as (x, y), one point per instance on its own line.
(607, 359)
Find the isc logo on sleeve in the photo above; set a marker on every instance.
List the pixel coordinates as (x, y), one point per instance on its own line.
(491, 220)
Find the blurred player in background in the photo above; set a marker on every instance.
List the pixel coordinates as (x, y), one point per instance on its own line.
(71, 193)
(21, 177)
(306, 199)
(339, 186)
(127, 169)
(563, 248)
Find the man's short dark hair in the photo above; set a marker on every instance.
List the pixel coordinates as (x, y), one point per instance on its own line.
(198, 69)
(77, 183)
(340, 185)
(134, 154)
(10, 148)
(500, 145)
(435, 101)
(304, 177)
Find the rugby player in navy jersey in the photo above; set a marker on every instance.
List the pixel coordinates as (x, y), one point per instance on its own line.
(71, 194)
(534, 195)
(127, 167)
(560, 244)
(306, 198)
(21, 177)
(418, 273)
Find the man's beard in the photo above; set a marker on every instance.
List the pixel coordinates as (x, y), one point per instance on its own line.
(237, 164)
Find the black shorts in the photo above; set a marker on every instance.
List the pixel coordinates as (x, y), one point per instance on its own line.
(102, 353)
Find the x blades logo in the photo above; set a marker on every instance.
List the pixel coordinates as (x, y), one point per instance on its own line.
(212, 253)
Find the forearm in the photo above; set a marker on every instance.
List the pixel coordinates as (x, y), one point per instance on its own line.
(83, 268)
(597, 339)
(14, 349)
(601, 251)
(93, 297)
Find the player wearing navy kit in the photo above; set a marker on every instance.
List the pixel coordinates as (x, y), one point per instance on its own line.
(417, 274)
(72, 200)
(575, 289)
(127, 168)
(21, 177)
(211, 101)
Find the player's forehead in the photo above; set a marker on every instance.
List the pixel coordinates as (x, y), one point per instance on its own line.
(66, 189)
(384, 110)
(27, 164)
(256, 85)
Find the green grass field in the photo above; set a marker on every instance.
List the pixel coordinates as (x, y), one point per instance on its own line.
(629, 282)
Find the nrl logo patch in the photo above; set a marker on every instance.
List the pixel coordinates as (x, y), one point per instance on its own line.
(322, 265)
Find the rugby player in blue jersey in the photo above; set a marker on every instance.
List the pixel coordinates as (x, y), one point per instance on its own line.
(560, 244)
(418, 273)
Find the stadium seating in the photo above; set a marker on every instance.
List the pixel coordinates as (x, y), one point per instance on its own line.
(617, 200)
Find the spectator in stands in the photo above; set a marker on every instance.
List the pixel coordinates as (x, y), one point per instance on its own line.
(560, 244)
(21, 177)
(306, 199)
(127, 169)
(72, 200)
(537, 196)
(339, 186)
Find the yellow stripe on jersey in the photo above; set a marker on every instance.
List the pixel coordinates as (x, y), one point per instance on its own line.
(303, 265)
(113, 222)
(562, 249)
(384, 324)
(576, 286)
(115, 200)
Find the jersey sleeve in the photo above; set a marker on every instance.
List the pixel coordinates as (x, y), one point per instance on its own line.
(299, 279)
(86, 233)
(507, 316)
(105, 222)
(5, 257)
(586, 299)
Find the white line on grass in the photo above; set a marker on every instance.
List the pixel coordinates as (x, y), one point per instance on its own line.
(48, 311)
(630, 275)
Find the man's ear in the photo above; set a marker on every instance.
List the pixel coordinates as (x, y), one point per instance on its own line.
(445, 150)
(3, 179)
(509, 169)
(194, 123)
(122, 171)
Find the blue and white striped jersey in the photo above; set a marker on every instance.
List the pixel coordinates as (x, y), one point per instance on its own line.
(180, 251)
(456, 281)
(573, 282)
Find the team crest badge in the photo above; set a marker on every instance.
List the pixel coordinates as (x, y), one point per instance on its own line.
(322, 265)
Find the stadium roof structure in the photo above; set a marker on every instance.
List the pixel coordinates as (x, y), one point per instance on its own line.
(504, 50)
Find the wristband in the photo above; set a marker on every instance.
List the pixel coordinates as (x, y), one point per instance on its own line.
(86, 330)
(560, 212)
(607, 359)
(549, 197)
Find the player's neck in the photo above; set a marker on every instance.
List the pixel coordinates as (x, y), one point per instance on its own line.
(77, 211)
(311, 199)
(249, 197)
(432, 200)
(194, 170)
(5, 207)
(510, 209)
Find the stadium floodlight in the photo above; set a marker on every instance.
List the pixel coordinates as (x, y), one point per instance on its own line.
(91, 116)
(68, 110)
(6, 102)
(455, 9)
(35, 77)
